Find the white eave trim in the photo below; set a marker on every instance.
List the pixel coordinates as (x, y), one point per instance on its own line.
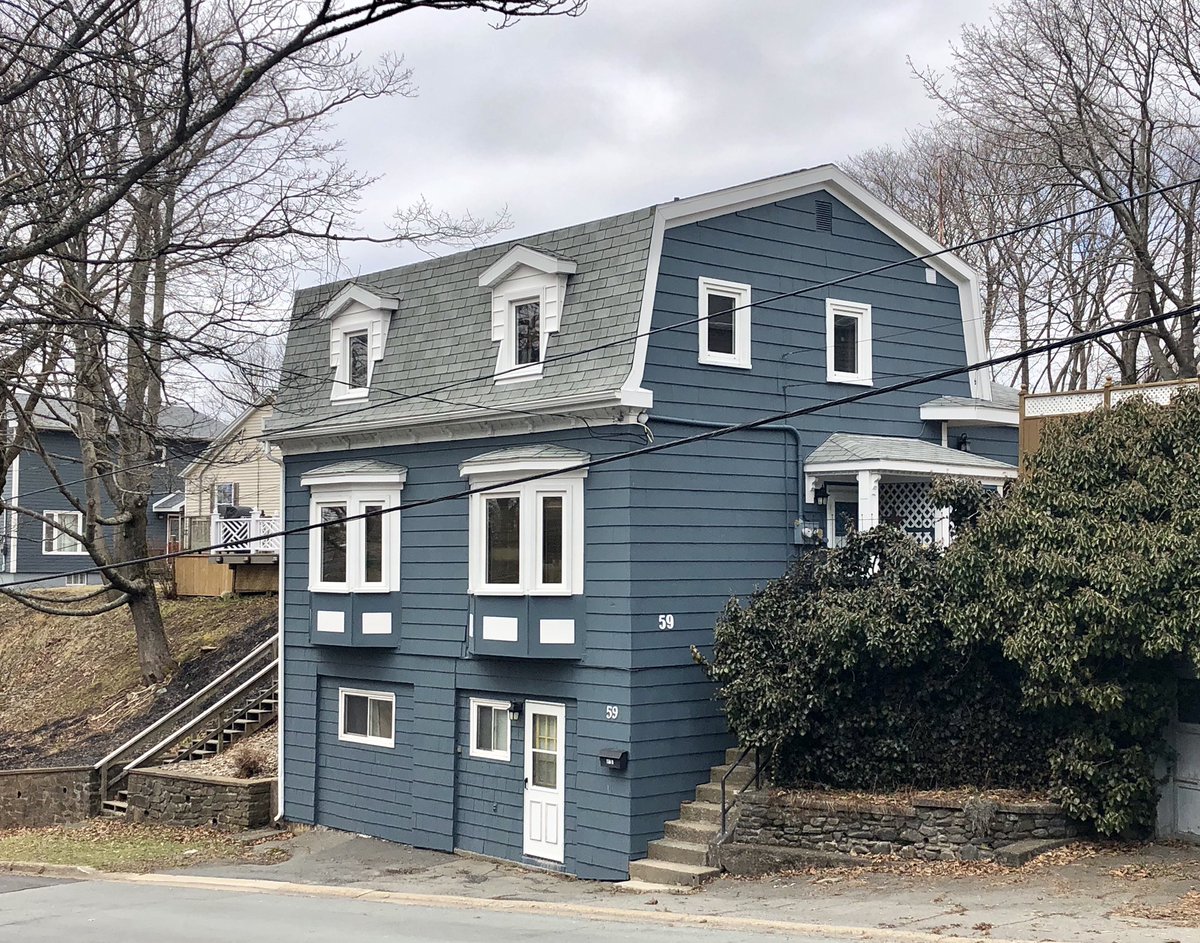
(517, 256)
(989, 474)
(620, 399)
(317, 479)
(506, 467)
(972, 415)
(355, 294)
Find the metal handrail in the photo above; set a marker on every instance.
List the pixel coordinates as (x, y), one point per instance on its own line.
(193, 725)
(155, 728)
(725, 805)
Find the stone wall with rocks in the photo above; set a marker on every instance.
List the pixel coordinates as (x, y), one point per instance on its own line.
(930, 828)
(189, 800)
(33, 797)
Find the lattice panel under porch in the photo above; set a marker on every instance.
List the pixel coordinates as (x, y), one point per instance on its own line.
(907, 504)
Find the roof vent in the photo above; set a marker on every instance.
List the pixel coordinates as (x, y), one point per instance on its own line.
(824, 216)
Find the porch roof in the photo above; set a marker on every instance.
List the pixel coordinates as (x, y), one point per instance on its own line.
(168, 505)
(845, 453)
(360, 471)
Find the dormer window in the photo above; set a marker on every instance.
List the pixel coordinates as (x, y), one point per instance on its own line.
(358, 326)
(528, 293)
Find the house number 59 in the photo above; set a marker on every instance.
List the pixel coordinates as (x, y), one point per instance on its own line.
(611, 712)
(666, 621)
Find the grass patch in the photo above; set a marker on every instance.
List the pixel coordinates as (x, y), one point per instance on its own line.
(120, 846)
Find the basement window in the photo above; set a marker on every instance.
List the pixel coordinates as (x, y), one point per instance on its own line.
(489, 730)
(367, 717)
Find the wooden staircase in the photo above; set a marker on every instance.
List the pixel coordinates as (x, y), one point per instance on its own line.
(682, 855)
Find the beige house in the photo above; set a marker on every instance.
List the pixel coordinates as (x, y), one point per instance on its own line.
(231, 492)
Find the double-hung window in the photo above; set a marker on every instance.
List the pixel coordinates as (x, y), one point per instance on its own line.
(489, 729)
(224, 492)
(848, 342)
(354, 541)
(55, 539)
(526, 539)
(724, 324)
(367, 717)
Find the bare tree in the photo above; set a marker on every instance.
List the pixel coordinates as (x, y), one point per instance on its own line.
(163, 179)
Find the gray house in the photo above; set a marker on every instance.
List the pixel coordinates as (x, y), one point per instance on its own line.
(509, 672)
(32, 548)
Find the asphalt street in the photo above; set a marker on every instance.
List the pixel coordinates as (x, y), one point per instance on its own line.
(36, 910)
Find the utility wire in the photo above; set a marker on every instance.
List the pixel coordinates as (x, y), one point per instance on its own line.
(656, 447)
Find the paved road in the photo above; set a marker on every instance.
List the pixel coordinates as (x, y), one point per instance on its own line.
(36, 910)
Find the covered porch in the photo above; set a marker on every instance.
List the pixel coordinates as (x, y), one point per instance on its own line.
(862, 481)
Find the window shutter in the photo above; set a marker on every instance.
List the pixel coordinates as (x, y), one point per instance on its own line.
(552, 304)
(375, 342)
(335, 347)
(499, 315)
(47, 538)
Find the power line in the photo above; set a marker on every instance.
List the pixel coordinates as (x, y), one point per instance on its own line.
(656, 447)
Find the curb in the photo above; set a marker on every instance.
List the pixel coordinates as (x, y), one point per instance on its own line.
(536, 907)
(43, 869)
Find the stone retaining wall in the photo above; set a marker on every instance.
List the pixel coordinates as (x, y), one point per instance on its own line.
(932, 829)
(34, 797)
(189, 800)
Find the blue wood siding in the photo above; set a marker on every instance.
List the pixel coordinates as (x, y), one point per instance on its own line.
(998, 442)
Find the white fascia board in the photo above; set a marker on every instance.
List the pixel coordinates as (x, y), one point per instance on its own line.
(851, 466)
(523, 255)
(607, 399)
(356, 294)
(841, 185)
(357, 478)
(982, 415)
(505, 468)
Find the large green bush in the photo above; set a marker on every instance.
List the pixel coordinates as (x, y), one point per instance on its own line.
(1087, 575)
(1040, 649)
(845, 670)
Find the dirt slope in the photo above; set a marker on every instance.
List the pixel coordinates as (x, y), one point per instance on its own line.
(70, 689)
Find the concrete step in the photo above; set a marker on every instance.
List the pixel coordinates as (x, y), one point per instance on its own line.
(701, 812)
(737, 778)
(680, 852)
(699, 833)
(113, 807)
(732, 754)
(670, 872)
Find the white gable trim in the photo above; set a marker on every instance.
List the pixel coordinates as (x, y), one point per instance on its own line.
(840, 185)
(228, 435)
(354, 294)
(517, 256)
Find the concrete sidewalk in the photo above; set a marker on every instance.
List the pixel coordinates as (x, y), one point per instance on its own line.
(1147, 894)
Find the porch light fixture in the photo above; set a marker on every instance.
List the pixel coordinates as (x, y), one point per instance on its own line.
(514, 711)
(821, 495)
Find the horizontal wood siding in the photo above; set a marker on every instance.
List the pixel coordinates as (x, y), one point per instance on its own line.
(718, 516)
(243, 462)
(363, 788)
(998, 442)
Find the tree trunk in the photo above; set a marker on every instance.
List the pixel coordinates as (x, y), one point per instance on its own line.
(154, 652)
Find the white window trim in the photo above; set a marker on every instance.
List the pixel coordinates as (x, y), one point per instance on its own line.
(862, 313)
(344, 328)
(216, 487)
(740, 293)
(570, 488)
(507, 368)
(356, 499)
(389, 742)
(504, 755)
(55, 533)
(523, 274)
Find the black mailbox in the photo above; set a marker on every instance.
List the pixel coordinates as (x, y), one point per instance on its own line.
(614, 759)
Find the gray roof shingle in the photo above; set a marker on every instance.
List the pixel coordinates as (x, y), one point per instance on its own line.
(847, 447)
(1004, 397)
(357, 467)
(441, 333)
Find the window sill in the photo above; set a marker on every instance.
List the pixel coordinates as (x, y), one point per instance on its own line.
(517, 376)
(64, 553)
(848, 380)
(336, 397)
(367, 741)
(566, 592)
(341, 589)
(486, 755)
(715, 360)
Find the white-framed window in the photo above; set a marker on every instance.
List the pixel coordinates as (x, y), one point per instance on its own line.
(358, 327)
(848, 342)
(490, 729)
(724, 325)
(75, 579)
(526, 539)
(358, 374)
(224, 492)
(55, 541)
(356, 546)
(367, 717)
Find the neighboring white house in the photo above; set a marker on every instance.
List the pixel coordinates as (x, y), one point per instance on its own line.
(231, 492)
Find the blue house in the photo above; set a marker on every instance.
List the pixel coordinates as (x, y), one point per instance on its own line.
(43, 546)
(509, 672)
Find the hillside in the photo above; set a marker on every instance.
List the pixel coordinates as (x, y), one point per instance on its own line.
(70, 689)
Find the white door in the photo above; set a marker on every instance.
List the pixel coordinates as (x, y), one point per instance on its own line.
(1187, 780)
(545, 733)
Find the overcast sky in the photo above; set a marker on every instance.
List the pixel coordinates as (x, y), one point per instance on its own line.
(568, 119)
